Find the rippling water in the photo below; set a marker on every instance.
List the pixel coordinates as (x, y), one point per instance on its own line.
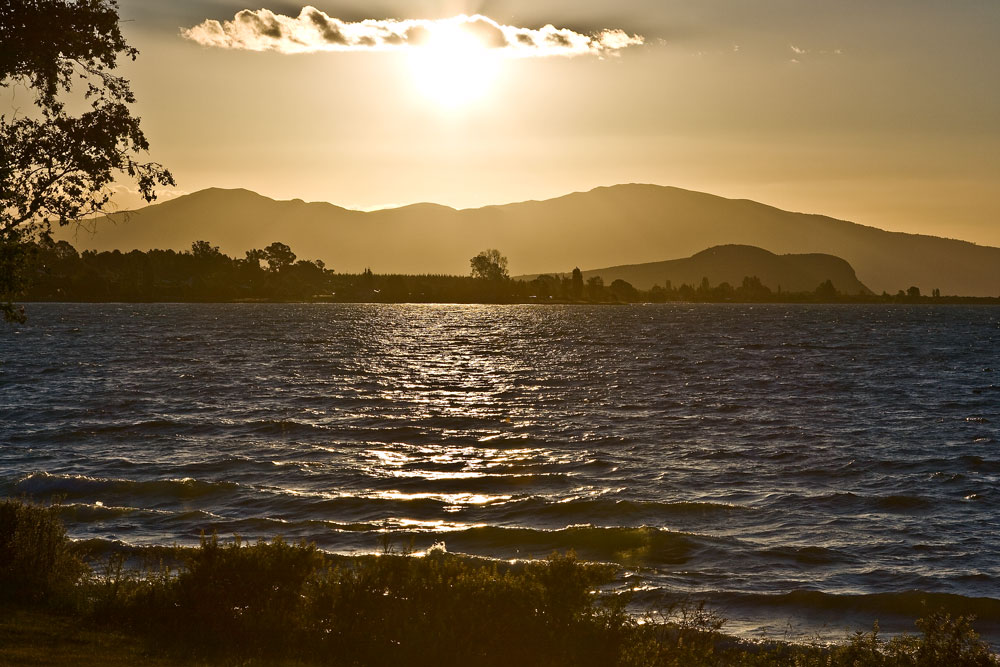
(799, 467)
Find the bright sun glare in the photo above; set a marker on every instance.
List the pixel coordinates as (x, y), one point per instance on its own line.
(453, 69)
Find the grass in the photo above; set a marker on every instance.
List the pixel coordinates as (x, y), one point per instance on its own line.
(274, 603)
(41, 638)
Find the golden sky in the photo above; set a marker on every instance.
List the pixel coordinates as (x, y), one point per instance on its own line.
(887, 113)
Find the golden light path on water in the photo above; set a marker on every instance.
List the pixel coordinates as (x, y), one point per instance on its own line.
(467, 379)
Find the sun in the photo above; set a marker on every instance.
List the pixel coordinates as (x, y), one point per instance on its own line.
(453, 68)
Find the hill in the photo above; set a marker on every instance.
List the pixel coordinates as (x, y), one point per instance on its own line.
(608, 226)
(731, 263)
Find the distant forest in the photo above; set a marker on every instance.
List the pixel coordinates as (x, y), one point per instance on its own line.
(58, 272)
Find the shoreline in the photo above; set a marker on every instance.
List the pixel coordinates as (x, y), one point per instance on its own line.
(268, 603)
(797, 617)
(873, 301)
(690, 634)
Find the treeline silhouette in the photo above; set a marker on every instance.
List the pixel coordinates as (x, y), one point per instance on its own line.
(58, 272)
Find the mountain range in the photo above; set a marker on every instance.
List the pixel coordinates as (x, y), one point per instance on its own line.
(609, 226)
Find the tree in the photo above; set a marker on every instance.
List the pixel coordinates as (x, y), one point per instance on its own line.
(595, 288)
(576, 288)
(623, 290)
(544, 286)
(913, 292)
(253, 258)
(826, 290)
(278, 257)
(203, 250)
(489, 265)
(56, 166)
(753, 288)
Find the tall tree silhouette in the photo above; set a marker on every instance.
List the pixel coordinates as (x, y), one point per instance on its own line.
(577, 284)
(56, 166)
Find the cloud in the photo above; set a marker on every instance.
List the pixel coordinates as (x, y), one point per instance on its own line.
(314, 31)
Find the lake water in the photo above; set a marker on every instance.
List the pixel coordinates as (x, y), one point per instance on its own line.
(804, 469)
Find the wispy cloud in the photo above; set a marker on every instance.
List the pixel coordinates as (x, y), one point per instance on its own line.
(314, 31)
(801, 54)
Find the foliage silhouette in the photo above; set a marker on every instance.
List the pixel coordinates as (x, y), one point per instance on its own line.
(489, 265)
(37, 562)
(826, 290)
(55, 166)
(278, 257)
(577, 284)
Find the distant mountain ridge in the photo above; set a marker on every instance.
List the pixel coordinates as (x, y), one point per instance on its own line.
(732, 263)
(608, 226)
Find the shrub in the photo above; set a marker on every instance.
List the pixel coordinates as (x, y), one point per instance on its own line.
(951, 641)
(246, 599)
(944, 641)
(448, 610)
(268, 602)
(37, 560)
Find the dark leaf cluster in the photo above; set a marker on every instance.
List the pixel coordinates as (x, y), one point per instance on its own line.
(57, 166)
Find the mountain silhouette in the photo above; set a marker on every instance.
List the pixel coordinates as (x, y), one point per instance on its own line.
(731, 263)
(608, 226)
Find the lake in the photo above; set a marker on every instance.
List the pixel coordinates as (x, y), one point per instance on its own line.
(804, 469)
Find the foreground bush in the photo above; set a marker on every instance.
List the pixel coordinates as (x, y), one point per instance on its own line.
(945, 641)
(445, 610)
(267, 603)
(37, 561)
(270, 601)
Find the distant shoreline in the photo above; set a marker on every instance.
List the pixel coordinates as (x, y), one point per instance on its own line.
(58, 273)
(807, 300)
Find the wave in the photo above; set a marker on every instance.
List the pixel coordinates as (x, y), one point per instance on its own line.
(902, 503)
(622, 512)
(845, 501)
(89, 513)
(45, 485)
(260, 427)
(627, 546)
(905, 604)
(307, 529)
(170, 426)
(979, 464)
(506, 441)
(486, 483)
(358, 507)
(284, 427)
(807, 555)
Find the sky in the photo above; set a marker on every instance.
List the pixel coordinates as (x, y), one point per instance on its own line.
(885, 113)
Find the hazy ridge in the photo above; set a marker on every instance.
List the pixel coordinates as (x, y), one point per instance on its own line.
(608, 226)
(731, 263)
